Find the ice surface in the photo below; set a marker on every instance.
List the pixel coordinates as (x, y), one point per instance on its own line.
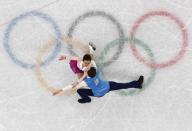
(163, 105)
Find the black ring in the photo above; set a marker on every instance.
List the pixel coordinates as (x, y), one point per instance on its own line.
(109, 17)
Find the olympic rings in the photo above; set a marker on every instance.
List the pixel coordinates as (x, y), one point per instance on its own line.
(121, 40)
(110, 18)
(149, 53)
(180, 25)
(12, 25)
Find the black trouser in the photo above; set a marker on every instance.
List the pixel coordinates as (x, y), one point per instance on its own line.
(85, 93)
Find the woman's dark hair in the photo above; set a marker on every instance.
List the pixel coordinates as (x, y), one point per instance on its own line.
(87, 57)
(91, 72)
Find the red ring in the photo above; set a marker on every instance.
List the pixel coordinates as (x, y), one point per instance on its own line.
(184, 35)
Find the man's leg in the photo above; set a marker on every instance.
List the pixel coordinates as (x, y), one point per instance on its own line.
(133, 84)
(85, 93)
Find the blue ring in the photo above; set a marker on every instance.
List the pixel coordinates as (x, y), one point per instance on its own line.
(14, 22)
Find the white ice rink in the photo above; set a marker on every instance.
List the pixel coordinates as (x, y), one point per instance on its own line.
(163, 29)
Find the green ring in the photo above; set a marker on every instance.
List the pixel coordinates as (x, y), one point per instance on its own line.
(149, 53)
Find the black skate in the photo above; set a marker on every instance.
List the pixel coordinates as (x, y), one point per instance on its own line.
(140, 81)
(92, 45)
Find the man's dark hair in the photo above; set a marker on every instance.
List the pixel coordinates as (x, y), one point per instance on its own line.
(91, 72)
(87, 57)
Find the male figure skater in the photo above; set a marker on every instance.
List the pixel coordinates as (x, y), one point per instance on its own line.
(99, 87)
